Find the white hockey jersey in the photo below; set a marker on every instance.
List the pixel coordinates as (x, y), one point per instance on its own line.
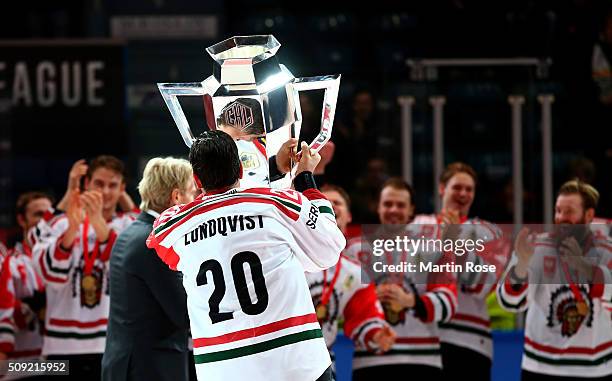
(559, 340)
(23, 335)
(255, 172)
(418, 336)
(471, 326)
(338, 295)
(7, 305)
(77, 303)
(28, 334)
(243, 254)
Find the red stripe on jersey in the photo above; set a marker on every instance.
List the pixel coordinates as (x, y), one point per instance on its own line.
(172, 259)
(314, 194)
(260, 147)
(110, 242)
(450, 292)
(511, 291)
(77, 323)
(546, 244)
(289, 213)
(7, 299)
(417, 340)
(429, 308)
(6, 347)
(59, 253)
(46, 275)
(287, 194)
(254, 332)
(603, 246)
(19, 354)
(576, 350)
(473, 319)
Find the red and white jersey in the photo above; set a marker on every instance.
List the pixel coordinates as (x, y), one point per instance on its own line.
(243, 254)
(338, 294)
(27, 282)
(418, 335)
(602, 226)
(559, 340)
(77, 299)
(255, 172)
(7, 306)
(471, 326)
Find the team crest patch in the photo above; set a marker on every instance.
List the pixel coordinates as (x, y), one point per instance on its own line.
(566, 312)
(550, 264)
(249, 161)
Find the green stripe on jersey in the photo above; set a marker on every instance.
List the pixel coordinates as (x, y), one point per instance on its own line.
(569, 362)
(462, 328)
(326, 209)
(180, 216)
(259, 347)
(75, 335)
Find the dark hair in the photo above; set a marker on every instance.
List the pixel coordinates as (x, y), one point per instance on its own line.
(589, 195)
(243, 114)
(457, 167)
(399, 184)
(340, 190)
(25, 198)
(108, 162)
(214, 159)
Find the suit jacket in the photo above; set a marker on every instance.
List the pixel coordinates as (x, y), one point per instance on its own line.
(148, 322)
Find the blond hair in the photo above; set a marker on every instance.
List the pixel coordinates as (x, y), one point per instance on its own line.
(161, 176)
(589, 195)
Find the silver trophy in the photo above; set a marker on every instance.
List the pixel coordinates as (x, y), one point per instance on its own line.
(252, 95)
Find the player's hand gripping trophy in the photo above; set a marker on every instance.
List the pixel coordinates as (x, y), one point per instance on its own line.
(255, 99)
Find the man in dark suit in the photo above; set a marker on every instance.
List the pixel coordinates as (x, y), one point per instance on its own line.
(148, 327)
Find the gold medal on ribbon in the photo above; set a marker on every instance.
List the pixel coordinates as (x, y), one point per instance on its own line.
(89, 288)
(321, 311)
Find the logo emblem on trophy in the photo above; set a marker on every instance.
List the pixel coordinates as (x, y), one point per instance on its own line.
(254, 98)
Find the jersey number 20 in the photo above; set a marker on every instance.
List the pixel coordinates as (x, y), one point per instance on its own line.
(247, 305)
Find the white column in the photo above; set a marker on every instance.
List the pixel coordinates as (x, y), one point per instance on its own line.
(437, 102)
(546, 101)
(405, 103)
(516, 103)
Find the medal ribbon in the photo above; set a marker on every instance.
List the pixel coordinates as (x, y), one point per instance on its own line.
(573, 286)
(327, 291)
(575, 290)
(89, 259)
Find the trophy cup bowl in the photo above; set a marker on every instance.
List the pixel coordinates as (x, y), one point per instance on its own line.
(254, 97)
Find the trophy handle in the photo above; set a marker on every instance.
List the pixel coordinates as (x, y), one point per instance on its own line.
(331, 84)
(170, 92)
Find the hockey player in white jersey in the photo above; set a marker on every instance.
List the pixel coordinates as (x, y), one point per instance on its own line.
(414, 304)
(243, 253)
(466, 338)
(339, 295)
(72, 254)
(562, 278)
(26, 283)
